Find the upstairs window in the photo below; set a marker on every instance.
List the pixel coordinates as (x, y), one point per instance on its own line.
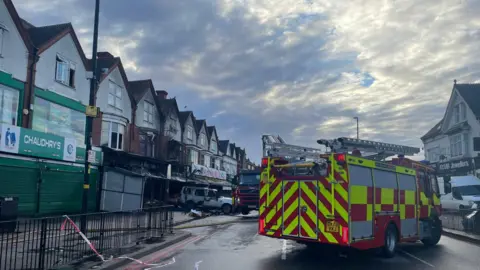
(8, 105)
(113, 135)
(202, 139)
(115, 97)
(189, 133)
(213, 145)
(3, 37)
(147, 146)
(148, 113)
(456, 145)
(65, 71)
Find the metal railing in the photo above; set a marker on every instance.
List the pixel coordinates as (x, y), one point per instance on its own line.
(464, 220)
(45, 243)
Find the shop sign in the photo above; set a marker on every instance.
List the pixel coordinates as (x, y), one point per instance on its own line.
(29, 142)
(454, 167)
(209, 172)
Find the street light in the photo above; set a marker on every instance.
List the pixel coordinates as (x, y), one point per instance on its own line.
(89, 120)
(356, 118)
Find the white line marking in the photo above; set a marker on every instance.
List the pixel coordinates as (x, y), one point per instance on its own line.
(416, 258)
(197, 265)
(284, 250)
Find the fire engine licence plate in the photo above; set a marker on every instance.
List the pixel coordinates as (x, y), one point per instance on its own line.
(332, 226)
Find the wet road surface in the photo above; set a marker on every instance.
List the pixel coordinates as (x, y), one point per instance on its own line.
(238, 247)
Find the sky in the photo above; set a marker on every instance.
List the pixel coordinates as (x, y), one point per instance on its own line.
(301, 69)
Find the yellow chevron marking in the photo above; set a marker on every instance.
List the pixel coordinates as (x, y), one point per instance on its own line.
(273, 195)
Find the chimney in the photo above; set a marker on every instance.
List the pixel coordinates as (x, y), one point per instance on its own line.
(162, 94)
(105, 55)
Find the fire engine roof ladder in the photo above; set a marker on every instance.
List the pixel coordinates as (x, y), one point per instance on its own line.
(275, 146)
(381, 150)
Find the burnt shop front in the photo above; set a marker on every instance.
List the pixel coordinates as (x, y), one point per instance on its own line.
(45, 172)
(460, 167)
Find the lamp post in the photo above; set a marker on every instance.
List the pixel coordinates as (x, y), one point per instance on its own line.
(356, 118)
(89, 119)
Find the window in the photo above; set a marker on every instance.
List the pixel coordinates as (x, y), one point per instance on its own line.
(434, 183)
(463, 111)
(65, 71)
(213, 146)
(456, 145)
(112, 135)
(193, 156)
(148, 113)
(147, 147)
(52, 118)
(3, 36)
(8, 105)
(456, 113)
(115, 97)
(189, 133)
(200, 192)
(202, 139)
(207, 161)
(217, 163)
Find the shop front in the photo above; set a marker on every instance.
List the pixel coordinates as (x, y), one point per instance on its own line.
(45, 171)
(213, 178)
(459, 167)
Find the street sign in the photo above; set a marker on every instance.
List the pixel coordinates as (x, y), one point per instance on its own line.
(91, 111)
(91, 156)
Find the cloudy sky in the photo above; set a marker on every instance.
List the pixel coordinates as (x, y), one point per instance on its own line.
(298, 68)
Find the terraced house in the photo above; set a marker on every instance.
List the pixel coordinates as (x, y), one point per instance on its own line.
(43, 95)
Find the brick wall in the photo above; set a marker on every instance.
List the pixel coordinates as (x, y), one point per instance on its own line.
(97, 130)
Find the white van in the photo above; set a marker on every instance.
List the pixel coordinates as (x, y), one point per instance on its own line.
(465, 193)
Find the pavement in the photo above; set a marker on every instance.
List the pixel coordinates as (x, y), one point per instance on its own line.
(237, 246)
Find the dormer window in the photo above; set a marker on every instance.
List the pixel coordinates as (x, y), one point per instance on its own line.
(65, 71)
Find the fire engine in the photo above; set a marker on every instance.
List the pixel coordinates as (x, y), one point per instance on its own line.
(339, 197)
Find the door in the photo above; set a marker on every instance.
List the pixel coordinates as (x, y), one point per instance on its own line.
(300, 209)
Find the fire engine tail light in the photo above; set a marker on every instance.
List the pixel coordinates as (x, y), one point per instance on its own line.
(345, 235)
(261, 226)
(264, 162)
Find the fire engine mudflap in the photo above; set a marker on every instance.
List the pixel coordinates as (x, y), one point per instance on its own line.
(348, 201)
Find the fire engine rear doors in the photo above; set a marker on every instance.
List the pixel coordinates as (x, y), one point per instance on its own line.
(300, 208)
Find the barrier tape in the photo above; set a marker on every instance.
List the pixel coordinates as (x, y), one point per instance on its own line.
(92, 247)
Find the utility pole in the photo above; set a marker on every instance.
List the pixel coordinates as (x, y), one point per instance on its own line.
(89, 120)
(356, 118)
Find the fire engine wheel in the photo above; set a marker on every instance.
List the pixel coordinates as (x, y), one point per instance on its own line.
(436, 229)
(245, 211)
(226, 209)
(390, 241)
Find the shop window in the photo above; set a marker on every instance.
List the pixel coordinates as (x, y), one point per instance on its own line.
(52, 118)
(8, 105)
(65, 71)
(113, 135)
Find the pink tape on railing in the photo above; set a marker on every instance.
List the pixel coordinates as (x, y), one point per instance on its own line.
(92, 247)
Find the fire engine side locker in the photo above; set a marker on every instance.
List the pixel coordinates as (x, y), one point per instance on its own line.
(300, 208)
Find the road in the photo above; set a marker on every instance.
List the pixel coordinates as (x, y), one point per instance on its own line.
(238, 247)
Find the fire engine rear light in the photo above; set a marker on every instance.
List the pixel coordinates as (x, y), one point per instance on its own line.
(261, 226)
(345, 235)
(264, 162)
(341, 158)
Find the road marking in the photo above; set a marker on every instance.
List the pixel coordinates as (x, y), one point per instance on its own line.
(284, 250)
(416, 258)
(164, 253)
(197, 265)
